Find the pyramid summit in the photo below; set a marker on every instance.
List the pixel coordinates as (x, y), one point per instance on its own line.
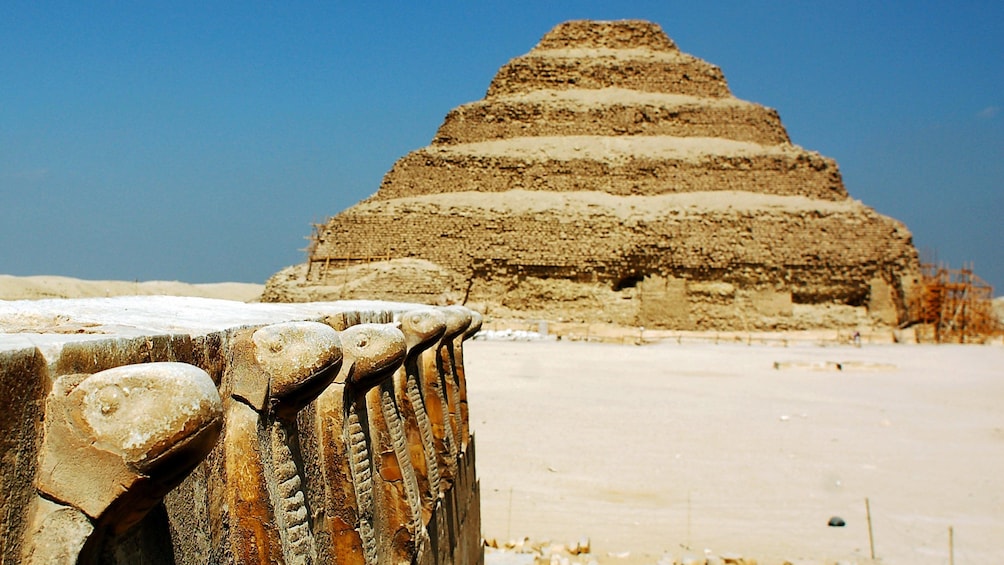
(608, 176)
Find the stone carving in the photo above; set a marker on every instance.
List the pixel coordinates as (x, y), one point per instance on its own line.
(458, 370)
(440, 394)
(357, 450)
(458, 319)
(422, 329)
(276, 371)
(400, 502)
(115, 442)
(327, 450)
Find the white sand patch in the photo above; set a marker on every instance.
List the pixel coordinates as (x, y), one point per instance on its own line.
(656, 449)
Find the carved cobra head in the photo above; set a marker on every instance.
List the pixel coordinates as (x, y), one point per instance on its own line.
(476, 321)
(300, 359)
(144, 424)
(422, 328)
(372, 353)
(458, 319)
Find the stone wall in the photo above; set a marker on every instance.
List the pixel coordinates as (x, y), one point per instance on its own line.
(170, 430)
(670, 71)
(628, 172)
(611, 112)
(754, 245)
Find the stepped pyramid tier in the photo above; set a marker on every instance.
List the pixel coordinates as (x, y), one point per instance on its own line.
(622, 165)
(608, 176)
(610, 112)
(592, 55)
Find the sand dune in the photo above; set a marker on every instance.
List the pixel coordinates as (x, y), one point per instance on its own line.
(40, 287)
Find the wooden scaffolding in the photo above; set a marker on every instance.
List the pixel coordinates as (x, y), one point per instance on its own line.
(954, 306)
(318, 266)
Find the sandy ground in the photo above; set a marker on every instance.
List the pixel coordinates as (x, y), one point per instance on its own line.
(674, 449)
(39, 287)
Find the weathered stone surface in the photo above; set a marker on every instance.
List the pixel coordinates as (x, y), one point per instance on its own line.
(623, 166)
(128, 434)
(23, 386)
(610, 112)
(361, 517)
(602, 158)
(275, 371)
(422, 329)
(114, 444)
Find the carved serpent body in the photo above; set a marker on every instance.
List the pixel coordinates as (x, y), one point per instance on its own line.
(442, 376)
(422, 329)
(357, 443)
(455, 354)
(288, 499)
(277, 370)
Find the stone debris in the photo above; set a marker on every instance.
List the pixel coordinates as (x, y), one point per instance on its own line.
(833, 366)
(513, 335)
(538, 552)
(528, 552)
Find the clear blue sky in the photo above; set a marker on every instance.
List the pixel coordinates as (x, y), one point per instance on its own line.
(198, 141)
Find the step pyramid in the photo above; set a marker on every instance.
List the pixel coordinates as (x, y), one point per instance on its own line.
(608, 176)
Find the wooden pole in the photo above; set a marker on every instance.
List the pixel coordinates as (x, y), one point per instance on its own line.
(871, 537)
(951, 546)
(508, 524)
(688, 520)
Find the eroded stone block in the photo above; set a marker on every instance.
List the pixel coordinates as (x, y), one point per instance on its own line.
(114, 476)
(114, 443)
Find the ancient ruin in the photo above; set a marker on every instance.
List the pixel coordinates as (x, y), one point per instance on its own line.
(183, 430)
(608, 176)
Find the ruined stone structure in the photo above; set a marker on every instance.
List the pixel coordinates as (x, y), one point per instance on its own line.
(172, 430)
(608, 176)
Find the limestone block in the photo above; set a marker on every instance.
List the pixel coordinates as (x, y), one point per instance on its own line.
(881, 302)
(23, 378)
(114, 443)
(664, 303)
(610, 35)
(768, 302)
(667, 71)
(610, 112)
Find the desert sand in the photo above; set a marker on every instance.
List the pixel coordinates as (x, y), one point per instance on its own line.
(690, 449)
(40, 287)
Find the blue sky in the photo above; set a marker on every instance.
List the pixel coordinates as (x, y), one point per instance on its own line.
(199, 141)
